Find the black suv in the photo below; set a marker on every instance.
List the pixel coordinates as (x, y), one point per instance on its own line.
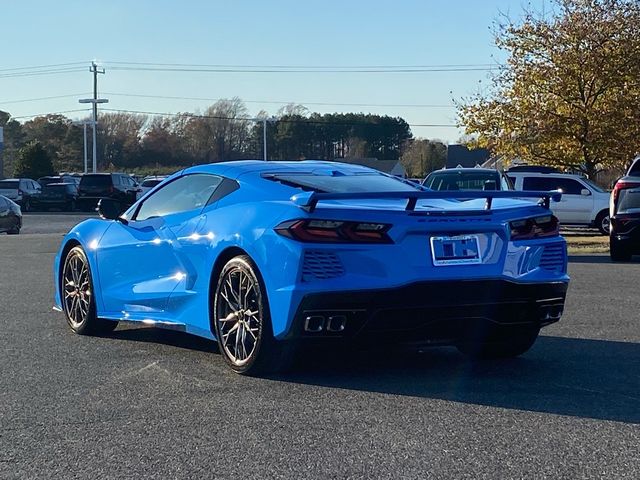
(118, 186)
(624, 239)
(56, 195)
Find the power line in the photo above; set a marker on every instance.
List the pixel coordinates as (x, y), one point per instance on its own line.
(35, 67)
(51, 113)
(267, 70)
(42, 98)
(305, 67)
(314, 122)
(42, 72)
(284, 103)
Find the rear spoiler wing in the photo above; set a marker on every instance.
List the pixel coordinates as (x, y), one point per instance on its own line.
(309, 200)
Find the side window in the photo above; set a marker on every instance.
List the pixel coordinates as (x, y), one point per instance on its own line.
(569, 186)
(538, 183)
(183, 194)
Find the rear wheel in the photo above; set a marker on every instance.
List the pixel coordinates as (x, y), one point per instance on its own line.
(78, 302)
(14, 231)
(505, 342)
(27, 205)
(618, 252)
(242, 322)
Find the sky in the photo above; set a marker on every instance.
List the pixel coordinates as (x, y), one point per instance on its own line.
(342, 35)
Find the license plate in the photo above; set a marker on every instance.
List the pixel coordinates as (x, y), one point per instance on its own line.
(457, 250)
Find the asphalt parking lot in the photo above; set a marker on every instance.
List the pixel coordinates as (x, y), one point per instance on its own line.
(143, 402)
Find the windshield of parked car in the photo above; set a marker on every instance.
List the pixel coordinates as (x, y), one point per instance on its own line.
(95, 181)
(593, 185)
(457, 180)
(8, 184)
(362, 182)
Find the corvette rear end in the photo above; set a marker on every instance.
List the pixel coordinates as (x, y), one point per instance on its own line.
(483, 272)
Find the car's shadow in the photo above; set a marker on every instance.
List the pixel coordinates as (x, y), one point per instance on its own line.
(565, 376)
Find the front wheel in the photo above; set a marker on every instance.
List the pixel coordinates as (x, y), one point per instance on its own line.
(242, 323)
(505, 342)
(603, 222)
(76, 291)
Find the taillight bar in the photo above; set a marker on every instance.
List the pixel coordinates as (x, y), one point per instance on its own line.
(334, 231)
(622, 185)
(535, 227)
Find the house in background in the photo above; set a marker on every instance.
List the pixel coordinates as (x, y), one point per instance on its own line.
(392, 167)
(461, 156)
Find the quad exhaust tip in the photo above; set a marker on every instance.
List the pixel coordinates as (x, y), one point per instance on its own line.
(331, 323)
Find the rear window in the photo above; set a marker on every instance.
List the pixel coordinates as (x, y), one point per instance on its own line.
(95, 181)
(635, 168)
(9, 184)
(150, 183)
(629, 201)
(463, 181)
(367, 182)
(54, 188)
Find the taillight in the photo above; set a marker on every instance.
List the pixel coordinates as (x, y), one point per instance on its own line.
(334, 231)
(621, 185)
(536, 227)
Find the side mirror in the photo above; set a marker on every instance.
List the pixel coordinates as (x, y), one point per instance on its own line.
(585, 192)
(110, 209)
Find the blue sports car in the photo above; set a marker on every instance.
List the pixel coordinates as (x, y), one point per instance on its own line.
(265, 256)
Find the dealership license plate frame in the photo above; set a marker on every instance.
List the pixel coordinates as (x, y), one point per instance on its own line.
(441, 243)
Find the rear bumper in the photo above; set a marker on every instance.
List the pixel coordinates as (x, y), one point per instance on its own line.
(429, 312)
(629, 238)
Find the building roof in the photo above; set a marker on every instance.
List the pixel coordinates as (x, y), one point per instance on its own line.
(392, 167)
(460, 155)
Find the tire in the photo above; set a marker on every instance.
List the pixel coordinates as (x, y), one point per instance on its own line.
(603, 223)
(14, 231)
(505, 342)
(241, 321)
(27, 205)
(76, 291)
(617, 252)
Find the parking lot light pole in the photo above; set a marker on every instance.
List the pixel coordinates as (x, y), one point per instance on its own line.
(84, 132)
(84, 124)
(94, 101)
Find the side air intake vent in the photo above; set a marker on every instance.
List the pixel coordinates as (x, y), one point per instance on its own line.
(554, 258)
(320, 265)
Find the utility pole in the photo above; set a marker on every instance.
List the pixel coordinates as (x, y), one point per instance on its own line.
(264, 138)
(84, 129)
(95, 101)
(95, 70)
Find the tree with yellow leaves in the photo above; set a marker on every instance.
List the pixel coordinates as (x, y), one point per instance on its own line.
(569, 93)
